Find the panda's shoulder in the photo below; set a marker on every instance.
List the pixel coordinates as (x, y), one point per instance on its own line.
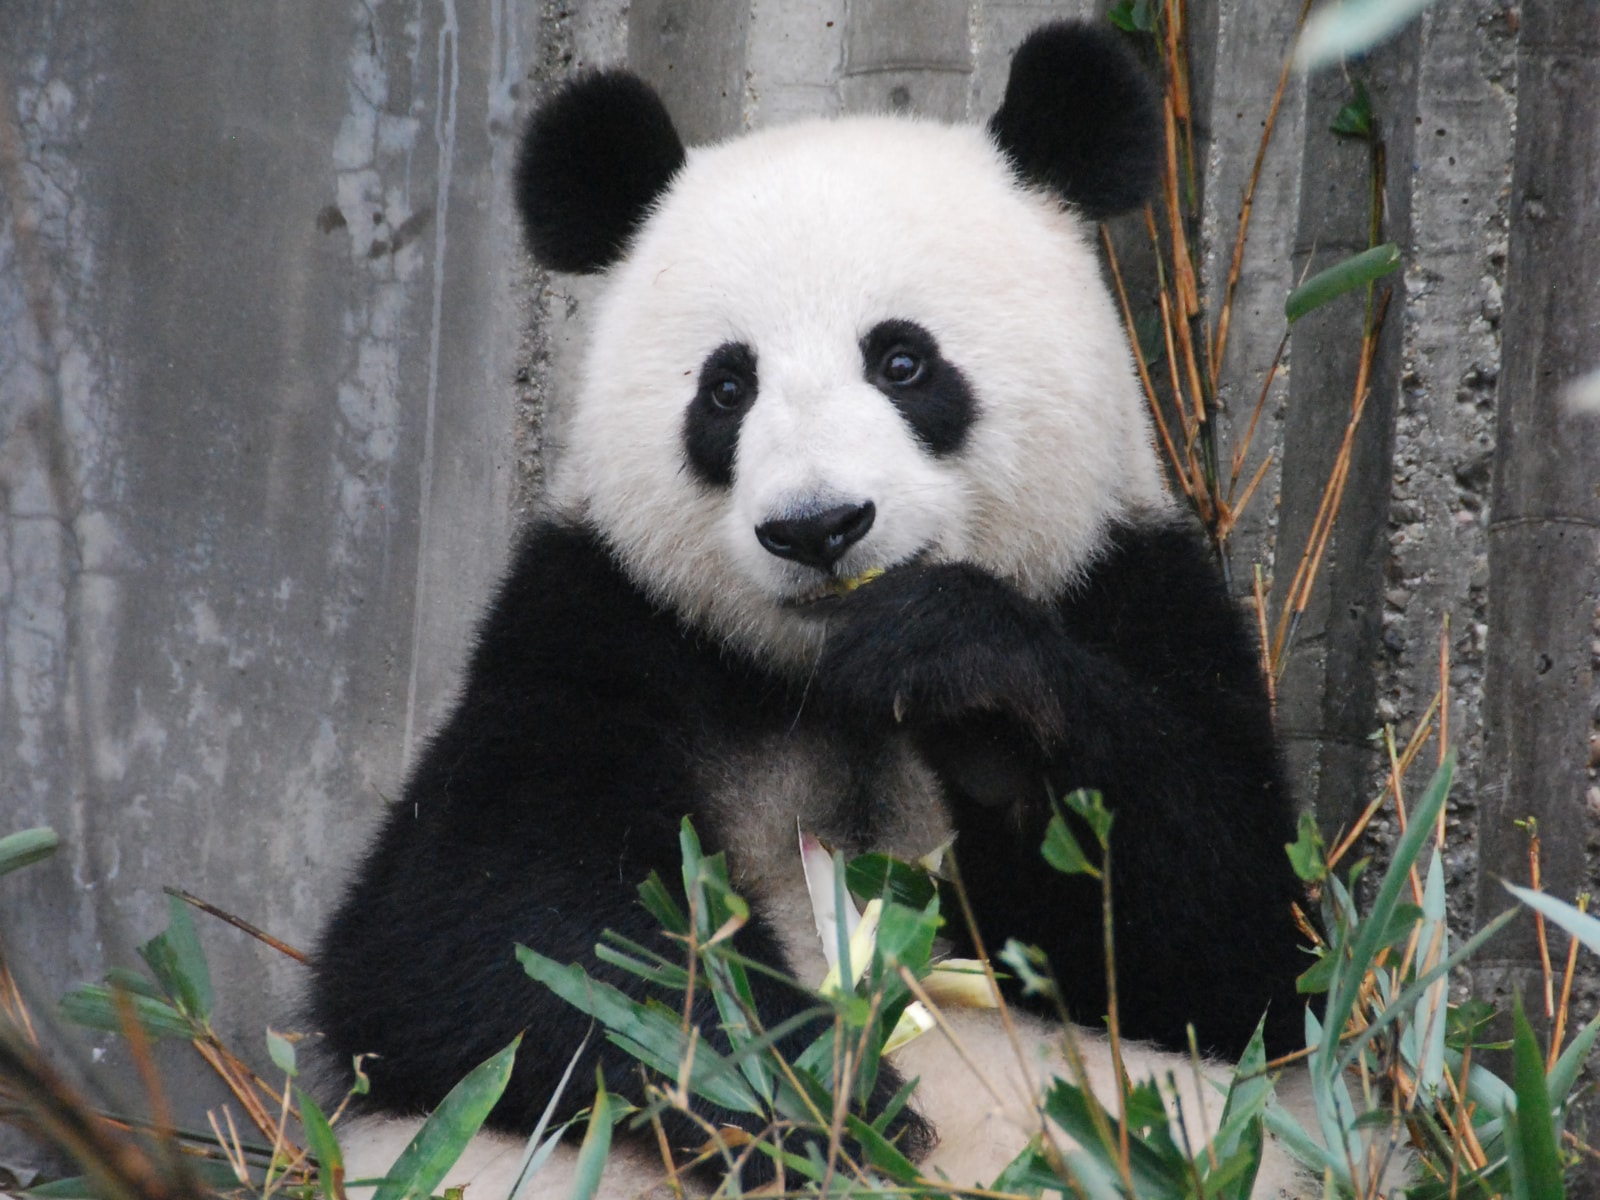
(566, 607)
(1156, 593)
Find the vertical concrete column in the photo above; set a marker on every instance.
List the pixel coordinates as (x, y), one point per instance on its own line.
(259, 330)
(1544, 532)
(908, 56)
(1327, 698)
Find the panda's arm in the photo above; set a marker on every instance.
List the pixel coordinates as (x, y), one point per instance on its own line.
(555, 787)
(1144, 684)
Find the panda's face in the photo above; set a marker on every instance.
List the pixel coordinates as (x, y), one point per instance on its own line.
(836, 348)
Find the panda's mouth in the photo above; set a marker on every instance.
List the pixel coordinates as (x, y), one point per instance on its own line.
(835, 588)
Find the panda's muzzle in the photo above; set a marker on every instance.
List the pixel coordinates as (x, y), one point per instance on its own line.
(818, 539)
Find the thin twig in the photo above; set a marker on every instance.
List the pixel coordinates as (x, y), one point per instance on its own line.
(240, 924)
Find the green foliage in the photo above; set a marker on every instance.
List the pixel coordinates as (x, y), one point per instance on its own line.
(1384, 973)
(1358, 270)
(1355, 119)
(423, 1164)
(26, 847)
(1134, 16)
(1307, 854)
(1340, 28)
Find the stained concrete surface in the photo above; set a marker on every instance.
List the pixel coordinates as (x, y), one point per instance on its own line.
(276, 388)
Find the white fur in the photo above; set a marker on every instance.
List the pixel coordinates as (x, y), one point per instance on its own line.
(983, 1117)
(797, 241)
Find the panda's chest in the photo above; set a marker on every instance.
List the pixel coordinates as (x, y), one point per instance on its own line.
(854, 797)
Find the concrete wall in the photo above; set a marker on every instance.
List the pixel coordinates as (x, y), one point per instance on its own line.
(276, 387)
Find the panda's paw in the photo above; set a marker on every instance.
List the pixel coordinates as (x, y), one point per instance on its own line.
(928, 645)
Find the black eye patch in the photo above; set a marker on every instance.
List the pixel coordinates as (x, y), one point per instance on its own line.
(902, 360)
(726, 390)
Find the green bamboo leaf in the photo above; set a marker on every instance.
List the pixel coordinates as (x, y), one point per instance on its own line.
(596, 1144)
(132, 981)
(660, 904)
(27, 846)
(1062, 851)
(540, 1145)
(1069, 1107)
(1414, 991)
(1535, 1132)
(652, 1033)
(1340, 28)
(423, 1164)
(1580, 925)
(1353, 966)
(1307, 854)
(1356, 271)
(1564, 1075)
(1028, 1174)
(1133, 16)
(880, 1151)
(1426, 1033)
(324, 1146)
(76, 1187)
(1532, 1140)
(1031, 967)
(176, 960)
(1240, 1134)
(870, 876)
(95, 1007)
(281, 1050)
(1355, 118)
(655, 969)
(1091, 806)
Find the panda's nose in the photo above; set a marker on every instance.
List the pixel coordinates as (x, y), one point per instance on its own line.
(818, 539)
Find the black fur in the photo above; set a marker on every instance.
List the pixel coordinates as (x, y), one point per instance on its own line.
(595, 157)
(727, 388)
(935, 400)
(559, 781)
(1081, 117)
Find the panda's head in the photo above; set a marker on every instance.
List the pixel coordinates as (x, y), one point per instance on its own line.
(832, 348)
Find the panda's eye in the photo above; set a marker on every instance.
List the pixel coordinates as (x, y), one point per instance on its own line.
(901, 367)
(726, 393)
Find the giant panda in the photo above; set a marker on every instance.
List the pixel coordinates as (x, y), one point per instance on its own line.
(858, 527)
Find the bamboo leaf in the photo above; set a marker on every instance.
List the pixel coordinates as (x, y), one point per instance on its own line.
(870, 876)
(281, 1050)
(1307, 854)
(880, 1151)
(27, 846)
(1344, 27)
(651, 1033)
(1580, 925)
(1347, 980)
(176, 959)
(1428, 1023)
(1356, 271)
(1564, 1075)
(1355, 118)
(1062, 851)
(660, 904)
(423, 1164)
(1532, 1135)
(95, 1007)
(596, 1144)
(320, 1139)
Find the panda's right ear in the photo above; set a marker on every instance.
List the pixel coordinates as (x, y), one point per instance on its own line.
(595, 157)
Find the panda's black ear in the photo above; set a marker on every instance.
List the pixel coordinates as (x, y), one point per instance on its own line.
(1081, 117)
(595, 157)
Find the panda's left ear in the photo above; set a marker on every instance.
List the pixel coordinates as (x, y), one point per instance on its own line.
(1081, 117)
(595, 157)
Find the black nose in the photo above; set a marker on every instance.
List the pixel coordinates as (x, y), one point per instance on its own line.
(818, 539)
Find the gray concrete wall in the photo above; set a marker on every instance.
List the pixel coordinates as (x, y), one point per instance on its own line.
(276, 388)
